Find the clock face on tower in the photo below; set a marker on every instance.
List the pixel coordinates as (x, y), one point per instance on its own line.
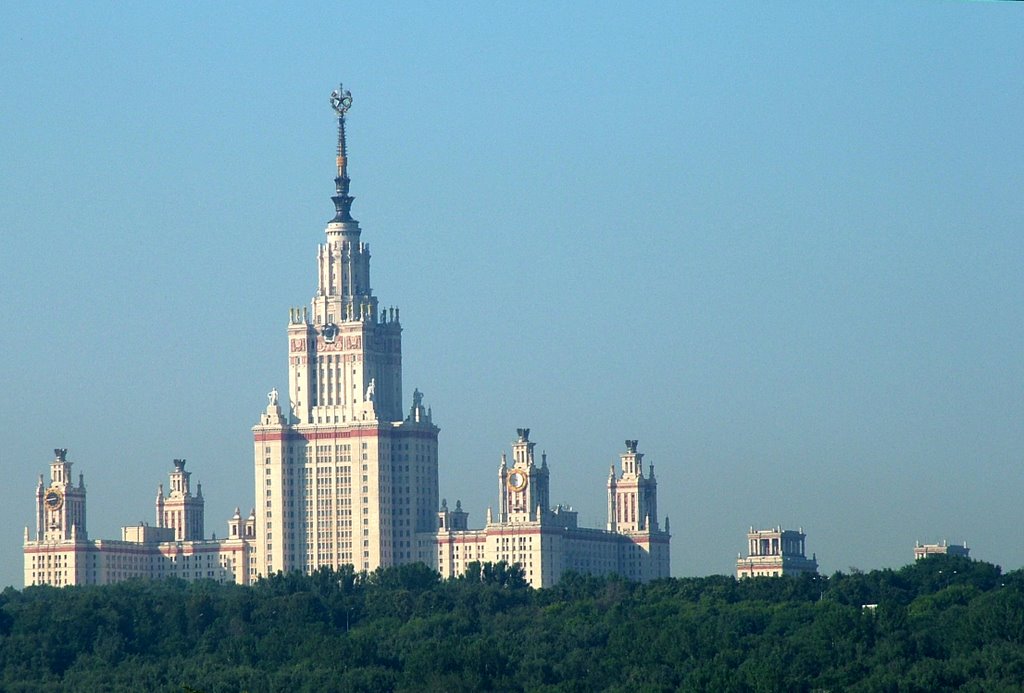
(53, 499)
(330, 332)
(516, 480)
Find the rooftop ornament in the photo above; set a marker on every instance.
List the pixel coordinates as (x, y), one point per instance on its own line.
(341, 101)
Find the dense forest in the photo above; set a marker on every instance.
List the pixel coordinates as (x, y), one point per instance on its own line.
(939, 624)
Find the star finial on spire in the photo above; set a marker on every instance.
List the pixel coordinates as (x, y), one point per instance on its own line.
(341, 101)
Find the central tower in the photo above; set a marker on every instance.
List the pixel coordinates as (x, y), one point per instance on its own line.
(342, 477)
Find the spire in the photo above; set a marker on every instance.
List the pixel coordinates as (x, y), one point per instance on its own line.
(341, 101)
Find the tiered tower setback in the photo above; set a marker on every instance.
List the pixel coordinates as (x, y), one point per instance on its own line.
(181, 511)
(523, 488)
(632, 497)
(345, 477)
(60, 507)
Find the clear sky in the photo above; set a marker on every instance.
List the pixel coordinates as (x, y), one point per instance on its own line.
(781, 244)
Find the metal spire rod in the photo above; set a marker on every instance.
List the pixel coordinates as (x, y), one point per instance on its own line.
(341, 101)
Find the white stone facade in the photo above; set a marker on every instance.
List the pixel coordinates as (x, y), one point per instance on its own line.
(943, 549)
(60, 552)
(774, 553)
(345, 475)
(546, 542)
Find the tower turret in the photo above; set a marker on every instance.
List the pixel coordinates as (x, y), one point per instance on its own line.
(345, 352)
(181, 510)
(61, 505)
(633, 498)
(523, 486)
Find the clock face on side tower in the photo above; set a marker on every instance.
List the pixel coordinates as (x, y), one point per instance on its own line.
(53, 499)
(516, 480)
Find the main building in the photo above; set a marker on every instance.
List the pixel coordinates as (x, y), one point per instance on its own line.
(346, 472)
(344, 476)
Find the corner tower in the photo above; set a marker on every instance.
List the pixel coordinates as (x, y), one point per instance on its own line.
(60, 507)
(181, 510)
(632, 498)
(342, 475)
(633, 512)
(523, 488)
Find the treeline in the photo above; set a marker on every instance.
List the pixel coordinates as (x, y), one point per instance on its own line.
(939, 624)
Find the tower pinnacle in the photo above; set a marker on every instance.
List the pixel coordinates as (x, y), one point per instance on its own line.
(341, 101)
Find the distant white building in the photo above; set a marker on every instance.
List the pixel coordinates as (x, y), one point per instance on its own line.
(775, 552)
(60, 552)
(943, 549)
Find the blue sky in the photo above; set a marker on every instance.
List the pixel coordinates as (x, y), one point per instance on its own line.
(780, 244)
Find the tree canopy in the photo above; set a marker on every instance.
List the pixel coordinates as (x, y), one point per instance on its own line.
(939, 624)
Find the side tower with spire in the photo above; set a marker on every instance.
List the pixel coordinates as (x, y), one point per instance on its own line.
(60, 506)
(180, 510)
(344, 474)
(633, 512)
(523, 488)
(60, 553)
(632, 497)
